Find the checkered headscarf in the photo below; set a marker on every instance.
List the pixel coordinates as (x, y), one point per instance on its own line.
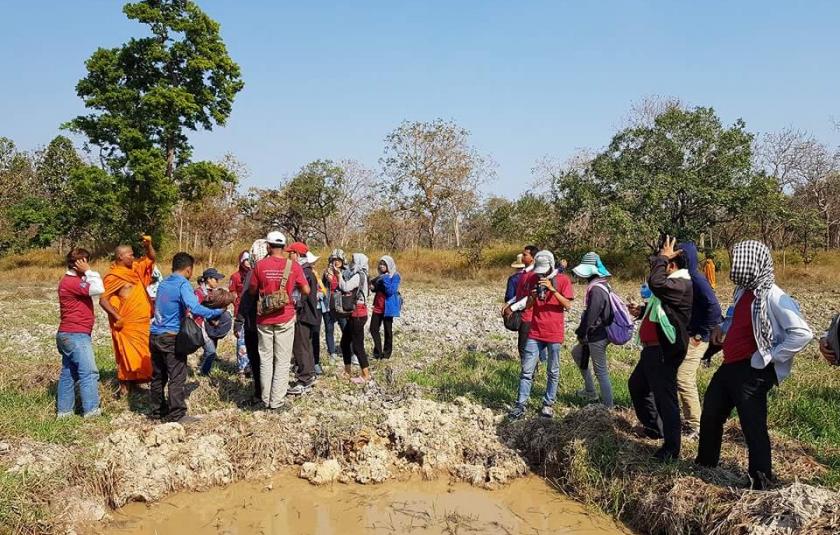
(752, 270)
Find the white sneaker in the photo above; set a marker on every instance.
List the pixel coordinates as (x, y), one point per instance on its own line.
(586, 395)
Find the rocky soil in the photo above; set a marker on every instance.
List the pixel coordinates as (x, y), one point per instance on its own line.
(338, 433)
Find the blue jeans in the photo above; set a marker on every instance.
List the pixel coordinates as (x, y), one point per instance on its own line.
(209, 354)
(531, 355)
(77, 364)
(329, 330)
(241, 351)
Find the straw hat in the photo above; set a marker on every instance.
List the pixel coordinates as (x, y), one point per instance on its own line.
(518, 263)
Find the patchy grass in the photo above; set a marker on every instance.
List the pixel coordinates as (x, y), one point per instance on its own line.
(804, 408)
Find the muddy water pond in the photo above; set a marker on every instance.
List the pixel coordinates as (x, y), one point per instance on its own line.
(290, 505)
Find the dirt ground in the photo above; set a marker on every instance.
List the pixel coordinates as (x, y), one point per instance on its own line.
(77, 473)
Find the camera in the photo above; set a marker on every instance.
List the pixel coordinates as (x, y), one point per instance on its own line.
(542, 292)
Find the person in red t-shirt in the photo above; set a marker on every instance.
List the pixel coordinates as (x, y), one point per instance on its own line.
(237, 286)
(551, 294)
(276, 328)
(76, 291)
(518, 303)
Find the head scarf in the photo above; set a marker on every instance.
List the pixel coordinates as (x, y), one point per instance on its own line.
(259, 250)
(389, 262)
(752, 270)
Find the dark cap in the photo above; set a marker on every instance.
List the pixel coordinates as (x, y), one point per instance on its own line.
(212, 273)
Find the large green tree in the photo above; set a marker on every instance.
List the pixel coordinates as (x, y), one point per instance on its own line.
(146, 95)
(681, 174)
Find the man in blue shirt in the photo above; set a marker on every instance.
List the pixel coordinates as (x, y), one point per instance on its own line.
(174, 297)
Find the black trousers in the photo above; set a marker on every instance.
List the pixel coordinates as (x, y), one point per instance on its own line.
(316, 342)
(738, 385)
(376, 321)
(353, 341)
(653, 388)
(252, 345)
(168, 368)
(302, 353)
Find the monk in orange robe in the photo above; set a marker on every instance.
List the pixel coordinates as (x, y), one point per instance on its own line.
(709, 269)
(129, 311)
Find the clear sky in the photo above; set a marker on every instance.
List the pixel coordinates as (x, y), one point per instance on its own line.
(528, 79)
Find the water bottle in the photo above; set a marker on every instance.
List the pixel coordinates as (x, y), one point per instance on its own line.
(645, 292)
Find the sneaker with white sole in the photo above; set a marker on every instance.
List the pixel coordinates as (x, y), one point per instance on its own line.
(547, 411)
(299, 389)
(517, 412)
(93, 414)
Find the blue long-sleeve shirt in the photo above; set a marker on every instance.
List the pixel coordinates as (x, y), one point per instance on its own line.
(174, 296)
(513, 280)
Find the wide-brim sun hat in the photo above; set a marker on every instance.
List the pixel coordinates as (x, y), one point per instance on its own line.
(518, 264)
(590, 266)
(310, 258)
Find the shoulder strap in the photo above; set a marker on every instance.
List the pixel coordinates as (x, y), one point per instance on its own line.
(287, 270)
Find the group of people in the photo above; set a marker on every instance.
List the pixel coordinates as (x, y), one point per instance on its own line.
(278, 305)
(680, 325)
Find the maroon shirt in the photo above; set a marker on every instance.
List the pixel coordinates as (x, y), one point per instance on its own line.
(740, 343)
(75, 305)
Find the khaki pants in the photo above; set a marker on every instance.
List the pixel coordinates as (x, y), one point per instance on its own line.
(276, 343)
(687, 384)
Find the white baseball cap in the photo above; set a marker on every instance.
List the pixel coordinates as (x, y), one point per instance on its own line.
(275, 237)
(543, 262)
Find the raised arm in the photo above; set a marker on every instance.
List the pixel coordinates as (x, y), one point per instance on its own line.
(151, 254)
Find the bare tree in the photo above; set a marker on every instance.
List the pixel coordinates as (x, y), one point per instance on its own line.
(644, 112)
(430, 170)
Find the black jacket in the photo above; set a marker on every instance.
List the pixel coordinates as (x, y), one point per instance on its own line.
(676, 296)
(596, 317)
(247, 314)
(307, 309)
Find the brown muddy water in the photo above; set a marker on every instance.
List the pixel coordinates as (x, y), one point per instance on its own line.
(290, 505)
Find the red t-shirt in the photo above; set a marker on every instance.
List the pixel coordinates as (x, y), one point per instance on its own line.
(548, 323)
(266, 279)
(236, 286)
(740, 343)
(647, 332)
(527, 281)
(379, 303)
(199, 294)
(75, 305)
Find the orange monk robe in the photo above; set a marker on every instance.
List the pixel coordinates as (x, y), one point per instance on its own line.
(131, 343)
(709, 271)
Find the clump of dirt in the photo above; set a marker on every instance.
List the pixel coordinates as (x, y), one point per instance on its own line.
(593, 454)
(796, 508)
(37, 458)
(145, 466)
(459, 437)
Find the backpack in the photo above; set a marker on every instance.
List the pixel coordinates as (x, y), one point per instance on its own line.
(344, 303)
(620, 331)
(219, 327)
(277, 300)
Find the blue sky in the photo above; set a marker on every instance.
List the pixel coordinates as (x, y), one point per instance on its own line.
(528, 79)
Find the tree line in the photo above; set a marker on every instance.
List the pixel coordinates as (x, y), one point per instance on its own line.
(670, 168)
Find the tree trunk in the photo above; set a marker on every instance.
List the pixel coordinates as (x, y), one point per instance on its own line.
(457, 231)
(170, 158)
